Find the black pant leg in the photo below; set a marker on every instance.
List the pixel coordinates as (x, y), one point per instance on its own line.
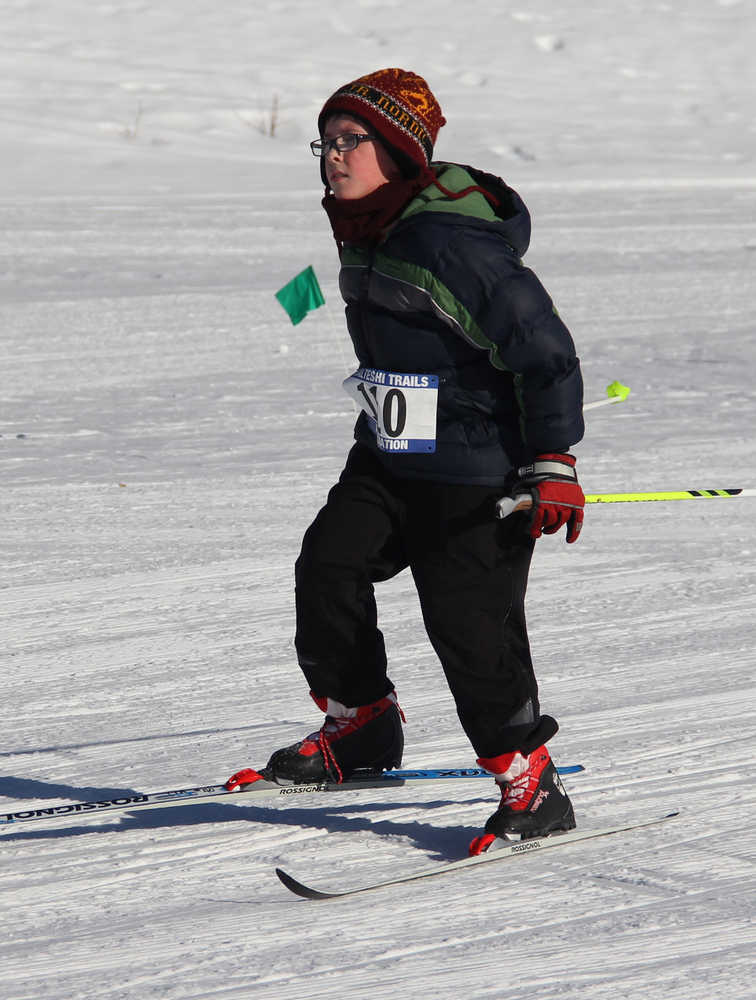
(353, 542)
(471, 572)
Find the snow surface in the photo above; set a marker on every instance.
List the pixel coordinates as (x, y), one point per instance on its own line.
(167, 436)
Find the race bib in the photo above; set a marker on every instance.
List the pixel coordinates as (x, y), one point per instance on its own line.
(401, 408)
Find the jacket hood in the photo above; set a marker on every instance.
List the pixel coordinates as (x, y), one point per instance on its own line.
(489, 200)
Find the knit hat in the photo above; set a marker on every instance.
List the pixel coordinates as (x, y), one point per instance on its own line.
(401, 109)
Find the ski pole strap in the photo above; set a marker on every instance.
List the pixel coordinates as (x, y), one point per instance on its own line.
(545, 467)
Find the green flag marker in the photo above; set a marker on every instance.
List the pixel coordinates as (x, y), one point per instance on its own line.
(301, 295)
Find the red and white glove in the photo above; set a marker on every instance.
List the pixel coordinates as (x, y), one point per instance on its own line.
(557, 497)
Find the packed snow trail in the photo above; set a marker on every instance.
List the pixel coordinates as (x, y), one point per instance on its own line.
(167, 436)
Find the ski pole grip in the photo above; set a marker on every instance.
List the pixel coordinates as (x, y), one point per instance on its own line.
(510, 505)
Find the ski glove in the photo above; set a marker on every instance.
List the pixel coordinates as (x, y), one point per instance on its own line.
(557, 497)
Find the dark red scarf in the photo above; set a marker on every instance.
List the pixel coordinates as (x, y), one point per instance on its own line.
(363, 221)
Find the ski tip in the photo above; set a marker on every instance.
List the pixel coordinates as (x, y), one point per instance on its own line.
(305, 891)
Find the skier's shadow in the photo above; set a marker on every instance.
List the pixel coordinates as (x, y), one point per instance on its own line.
(25, 788)
(440, 842)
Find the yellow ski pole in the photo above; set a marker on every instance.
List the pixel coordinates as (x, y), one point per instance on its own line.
(616, 392)
(508, 505)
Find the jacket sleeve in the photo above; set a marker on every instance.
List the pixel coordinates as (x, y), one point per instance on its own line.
(477, 285)
(536, 347)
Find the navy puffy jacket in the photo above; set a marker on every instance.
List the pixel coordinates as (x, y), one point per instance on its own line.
(446, 294)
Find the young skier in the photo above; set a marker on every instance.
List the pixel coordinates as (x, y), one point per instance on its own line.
(470, 390)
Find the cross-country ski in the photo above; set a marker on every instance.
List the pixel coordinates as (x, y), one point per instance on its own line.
(499, 850)
(253, 792)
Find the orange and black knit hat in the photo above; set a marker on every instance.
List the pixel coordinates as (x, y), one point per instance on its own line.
(400, 107)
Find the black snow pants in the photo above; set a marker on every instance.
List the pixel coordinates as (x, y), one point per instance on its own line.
(470, 571)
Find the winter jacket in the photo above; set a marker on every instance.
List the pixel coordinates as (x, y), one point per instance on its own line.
(446, 296)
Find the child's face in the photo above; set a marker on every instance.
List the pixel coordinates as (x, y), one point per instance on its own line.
(356, 172)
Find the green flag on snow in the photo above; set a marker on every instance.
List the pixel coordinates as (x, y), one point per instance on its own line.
(301, 295)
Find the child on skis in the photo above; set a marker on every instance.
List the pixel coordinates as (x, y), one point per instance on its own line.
(471, 390)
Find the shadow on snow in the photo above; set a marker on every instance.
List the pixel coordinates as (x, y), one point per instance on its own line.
(441, 843)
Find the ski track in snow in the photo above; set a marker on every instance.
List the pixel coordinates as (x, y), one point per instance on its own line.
(166, 437)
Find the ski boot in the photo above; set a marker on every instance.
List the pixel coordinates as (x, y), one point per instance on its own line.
(533, 800)
(368, 737)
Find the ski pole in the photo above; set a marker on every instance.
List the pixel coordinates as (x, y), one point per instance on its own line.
(523, 501)
(616, 392)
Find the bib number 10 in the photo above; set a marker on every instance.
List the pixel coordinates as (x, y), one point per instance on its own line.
(401, 408)
(393, 413)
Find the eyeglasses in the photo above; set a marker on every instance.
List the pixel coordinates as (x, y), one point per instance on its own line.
(341, 143)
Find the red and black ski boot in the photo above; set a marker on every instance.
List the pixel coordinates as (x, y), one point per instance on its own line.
(368, 737)
(533, 800)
